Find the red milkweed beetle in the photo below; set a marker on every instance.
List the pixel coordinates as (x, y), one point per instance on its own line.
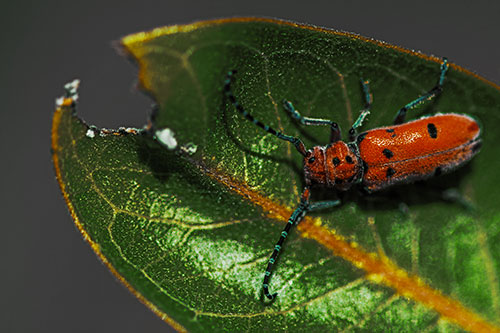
(378, 158)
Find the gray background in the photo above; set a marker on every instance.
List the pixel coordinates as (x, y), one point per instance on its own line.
(50, 279)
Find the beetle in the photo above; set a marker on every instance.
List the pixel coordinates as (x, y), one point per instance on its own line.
(378, 158)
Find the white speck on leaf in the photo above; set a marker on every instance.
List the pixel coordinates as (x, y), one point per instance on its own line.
(189, 148)
(166, 137)
(59, 101)
(90, 133)
(72, 89)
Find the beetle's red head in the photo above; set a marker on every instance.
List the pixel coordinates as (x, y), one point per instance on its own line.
(333, 166)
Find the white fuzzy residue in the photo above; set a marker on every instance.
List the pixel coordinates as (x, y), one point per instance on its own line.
(59, 101)
(189, 148)
(72, 87)
(166, 137)
(90, 133)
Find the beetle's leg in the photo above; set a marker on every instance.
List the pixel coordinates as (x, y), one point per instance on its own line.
(401, 115)
(365, 112)
(294, 219)
(229, 93)
(334, 127)
(323, 205)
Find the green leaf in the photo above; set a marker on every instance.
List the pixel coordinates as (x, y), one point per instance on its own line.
(190, 234)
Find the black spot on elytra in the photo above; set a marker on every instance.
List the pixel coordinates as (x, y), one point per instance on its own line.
(390, 130)
(312, 159)
(360, 137)
(431, 128)
(388, 153)
(338, 181)
(438, 171)
(349, 160)
(336, 161)
(390, 172)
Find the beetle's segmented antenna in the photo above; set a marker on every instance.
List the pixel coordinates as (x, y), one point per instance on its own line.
(227, 90)
(401, 115)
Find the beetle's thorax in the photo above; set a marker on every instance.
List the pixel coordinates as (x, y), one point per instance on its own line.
(336, 165)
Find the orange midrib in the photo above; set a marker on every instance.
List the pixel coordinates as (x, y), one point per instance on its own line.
(379, 270)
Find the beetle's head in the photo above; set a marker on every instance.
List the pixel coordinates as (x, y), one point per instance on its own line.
(333, 166)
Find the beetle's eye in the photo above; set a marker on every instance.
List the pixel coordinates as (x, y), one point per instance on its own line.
(312, 159)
